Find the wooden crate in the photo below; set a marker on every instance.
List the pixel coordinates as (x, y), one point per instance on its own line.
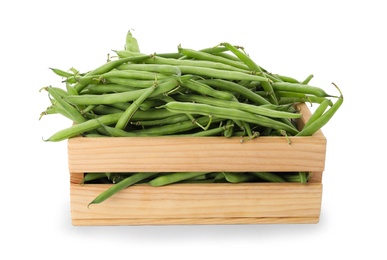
(219, 203)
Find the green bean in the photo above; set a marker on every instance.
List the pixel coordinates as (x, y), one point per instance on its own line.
(318, 112)
(229, 128)
(105, 110)
(173, 55)
(323, 119)
(131, 43)
(71, 111)
(62, 73)
(228, 113)
(237, 177)
(269, 176)
(215, 49)
(204, 89)
(131, 180)
(166, 179)
(119, 97)
(93, 176)
(135, 83)
(254, 68)
(175, 118)
(303, 177)
(156, 68)
(106, 68)
(150, 103)
(307, 80)
(306, 98)
(107, 88)
(300, 88)
(194, 63)
(237, 105)
(133, 74)
(128, 114)
(220, 74)
(199, 55)
(83, 127)
(212, 131)
(234, 87)
(176, 128)
(287, 79)
(116, 132)
(286, 96)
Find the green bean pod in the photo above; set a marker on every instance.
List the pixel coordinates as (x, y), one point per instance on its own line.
(300, 88)
(131, 180)
(83, 127)
(120, 97)
(237, 105)
(228, 113)
(128, 114)
(254, 68)
(199, 55)
(106, 68)
(206, 90)
(166, 179)
(156, 68)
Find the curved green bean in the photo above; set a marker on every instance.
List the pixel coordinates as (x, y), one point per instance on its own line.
(237, 105)
(228, 113)
(131, 180)
(323, 119)
(166, 179)
(128, 114)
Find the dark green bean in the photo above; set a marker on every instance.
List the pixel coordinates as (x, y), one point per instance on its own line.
(93, 176)
(269, 176)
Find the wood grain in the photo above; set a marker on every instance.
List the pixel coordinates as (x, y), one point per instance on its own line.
(205, 202)
(245, 203)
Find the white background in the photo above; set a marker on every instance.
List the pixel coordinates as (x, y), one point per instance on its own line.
(338, 41)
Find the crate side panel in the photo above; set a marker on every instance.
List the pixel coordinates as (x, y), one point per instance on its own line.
(200, 201)
(195, 154)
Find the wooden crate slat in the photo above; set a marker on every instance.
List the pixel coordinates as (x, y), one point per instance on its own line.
(246, 200)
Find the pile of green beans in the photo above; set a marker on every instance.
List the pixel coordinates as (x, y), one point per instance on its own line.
(216, 91)
(158, 179)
